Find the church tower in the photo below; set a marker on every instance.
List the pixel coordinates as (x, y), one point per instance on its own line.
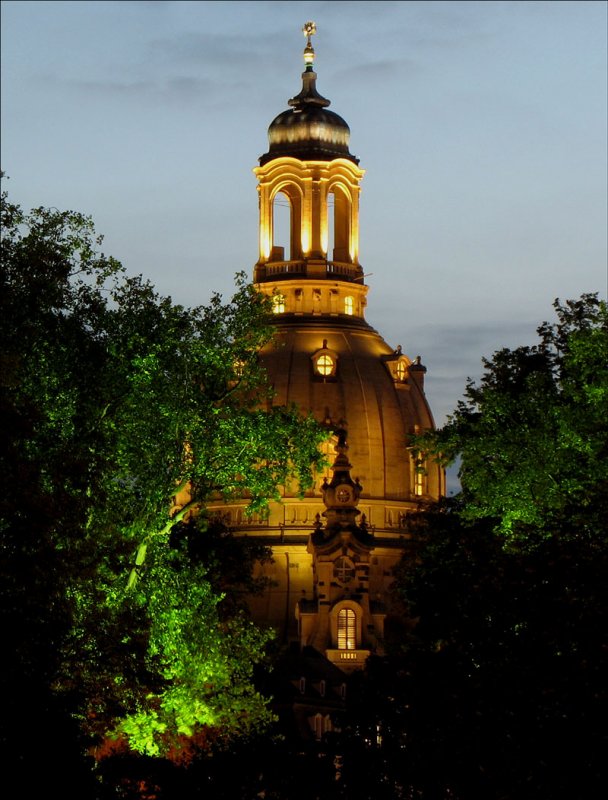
(334, 549)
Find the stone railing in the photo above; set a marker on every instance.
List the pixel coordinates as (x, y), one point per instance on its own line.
(341, 269)
(284, 268)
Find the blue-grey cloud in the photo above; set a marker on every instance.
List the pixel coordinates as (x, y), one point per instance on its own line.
(237, 51)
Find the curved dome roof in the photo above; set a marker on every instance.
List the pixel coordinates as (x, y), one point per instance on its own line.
(311, 133)
(379, 411)
(308, 130)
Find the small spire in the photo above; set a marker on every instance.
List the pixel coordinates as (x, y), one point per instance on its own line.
(309, 30)
(341, 497)
(309, 97)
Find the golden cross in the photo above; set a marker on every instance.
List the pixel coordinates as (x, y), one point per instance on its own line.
(309, 30)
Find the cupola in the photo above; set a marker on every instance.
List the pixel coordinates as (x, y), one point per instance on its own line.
(308, 130)
(308, 168)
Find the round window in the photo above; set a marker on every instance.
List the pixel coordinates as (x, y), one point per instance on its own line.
(344, 570)
(325, 365)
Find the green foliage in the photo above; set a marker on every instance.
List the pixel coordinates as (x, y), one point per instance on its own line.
(114, 401)
(498, 689)
(533, 435)
(204, 662)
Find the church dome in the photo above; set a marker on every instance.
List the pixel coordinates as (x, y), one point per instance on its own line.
(339, 369)
(308, 130)
(334, 549)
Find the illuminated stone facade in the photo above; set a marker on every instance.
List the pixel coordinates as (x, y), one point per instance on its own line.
(334, 550)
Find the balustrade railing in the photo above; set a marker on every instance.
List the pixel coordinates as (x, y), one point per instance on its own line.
(284, 268)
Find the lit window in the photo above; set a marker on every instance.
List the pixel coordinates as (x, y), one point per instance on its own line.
(325, 365)
(347, 629)
(419, 475)
(278, 304)
(400, 370)
(349, 305)
(325, 361)
(328, 449)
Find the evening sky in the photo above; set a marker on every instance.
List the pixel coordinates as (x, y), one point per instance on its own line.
(481, 127)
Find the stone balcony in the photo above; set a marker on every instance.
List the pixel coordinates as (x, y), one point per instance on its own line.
(348, 660)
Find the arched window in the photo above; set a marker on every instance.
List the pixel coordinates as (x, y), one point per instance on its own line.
(330, 227)
(328, 449)
(285, 224)
(347, 629)
(349, 305)
(419, 475)
(320, 724)
(278, 304)
(338, 225)
(281, 228)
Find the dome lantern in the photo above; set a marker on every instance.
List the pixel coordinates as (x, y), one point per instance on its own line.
(309, 168)
(307, 130)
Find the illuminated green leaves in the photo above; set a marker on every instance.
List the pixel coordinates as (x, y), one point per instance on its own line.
(116, 401)
(532, 434)
(204, 662)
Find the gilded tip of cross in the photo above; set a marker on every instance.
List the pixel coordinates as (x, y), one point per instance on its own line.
(309, 30)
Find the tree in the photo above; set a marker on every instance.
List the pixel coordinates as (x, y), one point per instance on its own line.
(123, 414)
(498, 690)
(533, 434)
